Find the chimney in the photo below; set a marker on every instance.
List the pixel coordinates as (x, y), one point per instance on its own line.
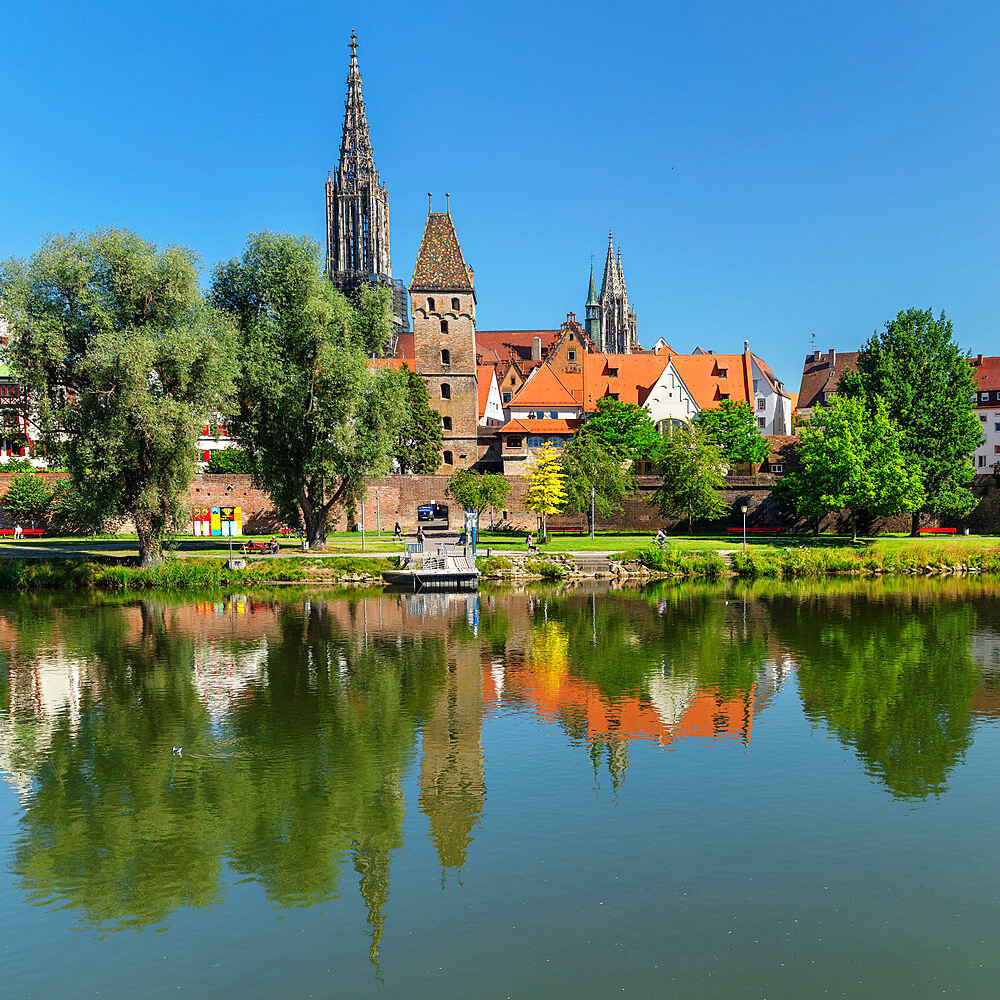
(815, 356)
(979, 359)
(536, 348)
(833, 358)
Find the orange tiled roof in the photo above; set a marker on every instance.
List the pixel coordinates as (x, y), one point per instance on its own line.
(547, 426)
(484, 380)
(515, 343)
(404, 346)
(440, 265)
(987, 373)
(393, 364)
(544, 388)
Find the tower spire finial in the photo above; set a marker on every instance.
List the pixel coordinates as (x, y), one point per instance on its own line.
(430, 203)
(447, 202)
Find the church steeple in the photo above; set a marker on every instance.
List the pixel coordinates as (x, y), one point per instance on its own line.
(618, 320)
(592, 324)
(357, 205)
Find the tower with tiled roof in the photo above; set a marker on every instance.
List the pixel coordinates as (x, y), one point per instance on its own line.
(357, 207)
(443, 304)
(618, 320)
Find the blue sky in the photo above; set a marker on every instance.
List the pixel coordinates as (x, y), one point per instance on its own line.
(774, 171)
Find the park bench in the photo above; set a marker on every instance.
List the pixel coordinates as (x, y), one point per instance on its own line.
(253, 548)
(756, 531)
(567, 531)
(26, 532)
(939, 531)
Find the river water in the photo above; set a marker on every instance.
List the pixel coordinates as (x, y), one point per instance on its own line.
(691, 791)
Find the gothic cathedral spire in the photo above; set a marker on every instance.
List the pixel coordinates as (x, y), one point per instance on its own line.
(593, 307)
(618, 320)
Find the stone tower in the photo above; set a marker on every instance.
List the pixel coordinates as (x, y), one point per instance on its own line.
(618, 321)
(444, 338)
(357, 207)
(592, 325)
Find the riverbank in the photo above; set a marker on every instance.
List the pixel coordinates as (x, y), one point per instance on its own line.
(919, 557)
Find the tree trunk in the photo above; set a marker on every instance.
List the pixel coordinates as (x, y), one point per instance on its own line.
(915, 525)
(149, 543)
(854, 528)
(689, 522)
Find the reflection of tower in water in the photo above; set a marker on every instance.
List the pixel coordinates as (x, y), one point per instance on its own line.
(452, 775)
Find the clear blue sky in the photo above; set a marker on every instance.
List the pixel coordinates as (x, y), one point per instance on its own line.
(772, 170)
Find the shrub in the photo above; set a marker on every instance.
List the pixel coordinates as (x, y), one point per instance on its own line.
(229, 460)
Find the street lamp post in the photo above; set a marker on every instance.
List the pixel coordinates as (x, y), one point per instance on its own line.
(363, 524)
(744, 509)
(378, 518)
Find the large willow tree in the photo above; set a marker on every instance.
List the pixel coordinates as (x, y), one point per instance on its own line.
(124, 362)
(316, 417)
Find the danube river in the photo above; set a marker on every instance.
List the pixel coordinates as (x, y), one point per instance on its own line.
(691, 791)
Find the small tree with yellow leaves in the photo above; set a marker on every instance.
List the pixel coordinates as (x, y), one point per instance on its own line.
(546, 493)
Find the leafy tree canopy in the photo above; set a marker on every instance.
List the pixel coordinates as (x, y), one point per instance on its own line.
(28, 498)
(625, 430)
(927, 383)
(316, 418)
(417, 445)
(546, 492)
(733, 427)
(233, 461)
(691, 469)
(587, 466)
(851, 459)
(478, 490)
(124, 362)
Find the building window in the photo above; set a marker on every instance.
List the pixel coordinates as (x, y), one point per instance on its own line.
(513, 442)
(755, 385)
(613, 395)
(446, 423)
(723, 373)
(826, 396)
(557, 441)
(535, 442)
(777, 468)
(723, 395)
(996, 449)
(446, 357)
(430, 305)
(612, 373)
(983, 418)
(455, 305)
(554, 414)
(571, 355)
(982, 461)
(445, 390)
(444, 326)
(506, 397)
(996, 427)
(449, 459)
(761, 404)
(985, 397)
(762, 422)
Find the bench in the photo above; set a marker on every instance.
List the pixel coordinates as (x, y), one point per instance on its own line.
(925, 531)
(567, 531)
(756, 531)
(251, 548)
(26, 532)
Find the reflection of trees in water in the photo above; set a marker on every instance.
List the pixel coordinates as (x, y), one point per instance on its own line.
(125, 831)
(889, 674)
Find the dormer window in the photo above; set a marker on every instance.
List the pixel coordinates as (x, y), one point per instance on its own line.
(430, 305)
(455, 305)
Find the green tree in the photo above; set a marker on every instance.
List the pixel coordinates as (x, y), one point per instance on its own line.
(734, 429)
(28, 498)
(625, 430)
(478, 490)
(591, 470)
(691, 469)
(927, 384)
(851, 459)
(314, 416)
(232, 461)
(124, 362)
(418, 441)
(546, 492)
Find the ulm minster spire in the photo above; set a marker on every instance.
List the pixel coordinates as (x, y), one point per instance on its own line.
(619, 333)
(357, 206)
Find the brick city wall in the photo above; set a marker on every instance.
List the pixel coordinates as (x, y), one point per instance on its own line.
(399, 496)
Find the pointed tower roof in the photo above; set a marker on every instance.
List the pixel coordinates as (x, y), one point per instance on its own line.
(610, 279)
(440, 265)
(356, 159)
(592, 299)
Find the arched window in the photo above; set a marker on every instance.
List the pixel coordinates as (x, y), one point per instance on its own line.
(455, 305)
(430, 305)
(449, 459)
(446, 357)
(446, 423)
(445, 390)
(444, 326)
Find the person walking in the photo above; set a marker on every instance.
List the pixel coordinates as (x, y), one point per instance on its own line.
(397, 532)
(420, 534)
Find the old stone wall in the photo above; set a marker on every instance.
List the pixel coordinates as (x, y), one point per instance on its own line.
(398, 497)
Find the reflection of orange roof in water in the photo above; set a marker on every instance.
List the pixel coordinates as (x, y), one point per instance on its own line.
(706, 713)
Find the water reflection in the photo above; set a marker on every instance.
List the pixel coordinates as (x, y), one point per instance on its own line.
(303, 719)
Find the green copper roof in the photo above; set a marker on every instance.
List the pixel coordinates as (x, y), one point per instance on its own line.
(592, 299)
